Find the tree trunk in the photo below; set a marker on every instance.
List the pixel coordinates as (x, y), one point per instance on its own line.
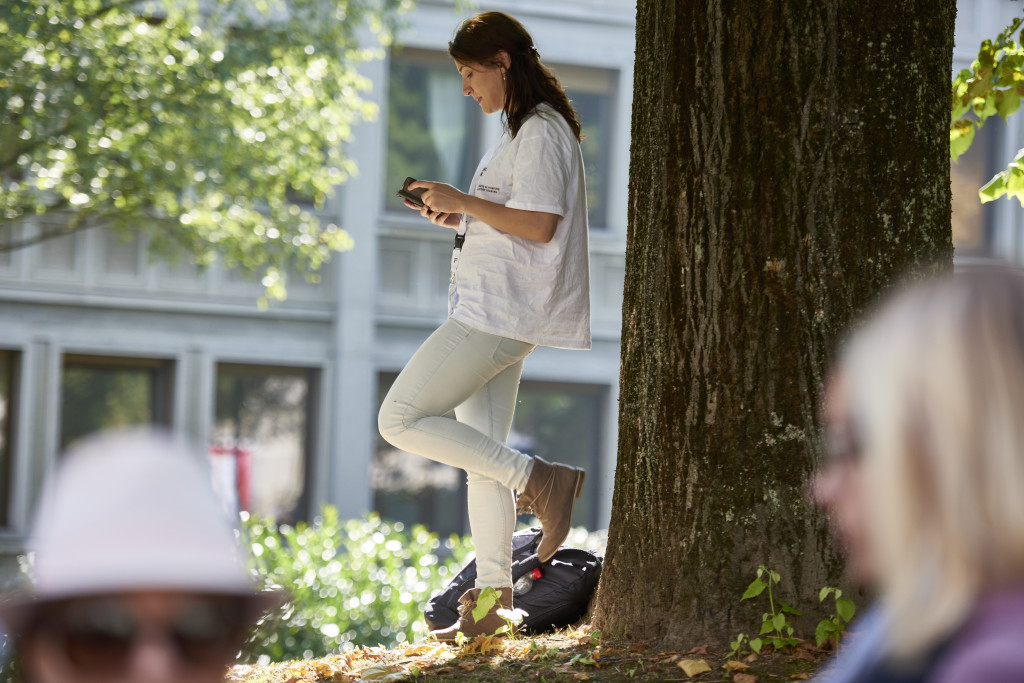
(789, 160)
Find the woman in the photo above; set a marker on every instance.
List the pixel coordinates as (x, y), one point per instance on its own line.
(925, 481)
(519, 279)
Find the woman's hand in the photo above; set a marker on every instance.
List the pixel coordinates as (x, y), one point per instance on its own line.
(440, 197)
(444, 205)
(429, 210)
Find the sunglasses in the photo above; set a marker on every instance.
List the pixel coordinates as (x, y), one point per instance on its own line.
(98, 636)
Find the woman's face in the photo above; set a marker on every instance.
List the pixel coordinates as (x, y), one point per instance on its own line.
(485, 84)
(839, 485)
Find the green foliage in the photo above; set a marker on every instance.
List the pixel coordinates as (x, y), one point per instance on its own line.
(831, 628)
(351, 583)
(993, 85)
(776, 629)
(213, 127)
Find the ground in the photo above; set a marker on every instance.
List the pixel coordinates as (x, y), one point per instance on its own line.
(573, 655)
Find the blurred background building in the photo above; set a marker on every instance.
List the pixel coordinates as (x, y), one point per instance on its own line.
(93, 335)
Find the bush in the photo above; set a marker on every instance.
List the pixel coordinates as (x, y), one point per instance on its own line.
(351, 583)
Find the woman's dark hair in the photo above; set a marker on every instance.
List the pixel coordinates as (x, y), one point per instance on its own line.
(527, 81)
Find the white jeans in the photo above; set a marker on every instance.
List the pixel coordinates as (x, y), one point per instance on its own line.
(476, 374)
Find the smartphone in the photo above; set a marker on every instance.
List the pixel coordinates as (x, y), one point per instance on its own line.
(414, 196)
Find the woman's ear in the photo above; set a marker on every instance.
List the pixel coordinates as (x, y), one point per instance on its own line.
(503, 59)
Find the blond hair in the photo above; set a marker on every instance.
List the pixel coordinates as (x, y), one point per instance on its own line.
(936, 383)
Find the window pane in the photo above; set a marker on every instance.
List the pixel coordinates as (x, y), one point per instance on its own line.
(563, 423)
(412, 489)
(433, 130)
(559, 422)
(972, 220)
(261, 438)
(594, 110)
(105, 392)
(592, 93)
(7, 382)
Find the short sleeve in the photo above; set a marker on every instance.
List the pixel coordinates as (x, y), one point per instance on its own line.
(543, 168)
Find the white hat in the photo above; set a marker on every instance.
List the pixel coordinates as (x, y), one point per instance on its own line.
(134, 510)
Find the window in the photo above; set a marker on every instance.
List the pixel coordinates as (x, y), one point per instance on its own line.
(559, 422)
(564, 423)
(103, 392)
(262, 438)
(434, 132)
(8, 382)
(592, 94)
(974, 222)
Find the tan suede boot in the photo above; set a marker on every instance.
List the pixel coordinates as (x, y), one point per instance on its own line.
(467, 626)
(549, 494)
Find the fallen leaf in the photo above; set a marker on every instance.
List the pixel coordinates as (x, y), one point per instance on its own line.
(744, 678)
(692, 667)
(425, 650)
(581, 677)
(804, 655)
(467, 666)
(382, 673)
(751, 658)
(702, 650)
(733, 665)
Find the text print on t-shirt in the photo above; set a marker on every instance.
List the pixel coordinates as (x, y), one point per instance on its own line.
(488, 188)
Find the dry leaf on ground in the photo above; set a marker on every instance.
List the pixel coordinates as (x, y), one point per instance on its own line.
(693, 667)
(733, 665)
(744, 678)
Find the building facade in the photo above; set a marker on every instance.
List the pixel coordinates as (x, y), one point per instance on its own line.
(93, 335)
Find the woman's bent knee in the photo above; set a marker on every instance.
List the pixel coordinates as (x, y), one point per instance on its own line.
(390, 423)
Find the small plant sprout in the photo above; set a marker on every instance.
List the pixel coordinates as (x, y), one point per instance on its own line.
(831, 628)
(775, 627)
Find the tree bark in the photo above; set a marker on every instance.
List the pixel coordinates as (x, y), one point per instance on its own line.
(789, 159)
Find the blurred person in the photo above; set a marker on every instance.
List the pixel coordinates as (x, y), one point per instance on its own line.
(519, 279)
(924, 482)
(138, 577)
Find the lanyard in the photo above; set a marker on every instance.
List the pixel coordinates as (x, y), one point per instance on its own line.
(460, 239)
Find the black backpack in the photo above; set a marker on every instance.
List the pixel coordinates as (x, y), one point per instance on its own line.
(557, 599)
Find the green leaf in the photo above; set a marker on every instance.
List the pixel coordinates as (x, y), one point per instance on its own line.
(485, 601)
(846, 609)
(755, 645)
(755, 588)
(779, 622)
(1007, 102)
(822, 632)
(789, 609)
(961, 135)
(993, 189)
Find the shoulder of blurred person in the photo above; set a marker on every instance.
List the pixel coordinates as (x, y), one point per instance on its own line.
(990, 646)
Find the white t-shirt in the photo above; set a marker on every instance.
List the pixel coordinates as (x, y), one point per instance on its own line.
(510, 286)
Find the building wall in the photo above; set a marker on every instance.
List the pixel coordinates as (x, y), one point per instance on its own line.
(92, 297)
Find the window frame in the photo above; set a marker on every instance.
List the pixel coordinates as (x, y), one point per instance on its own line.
(314, 379)
(161, 393)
